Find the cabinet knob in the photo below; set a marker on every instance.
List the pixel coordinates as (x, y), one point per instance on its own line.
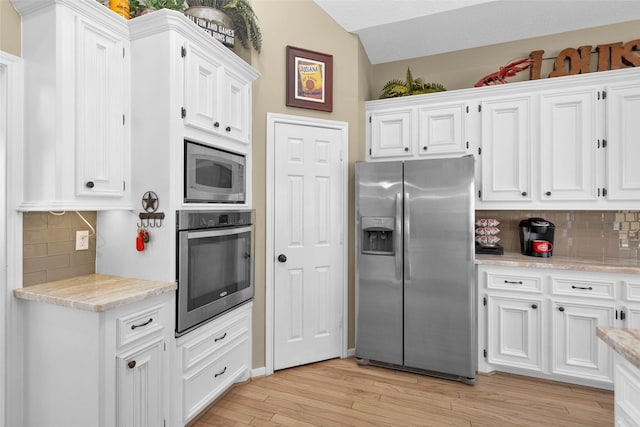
(282, 258)
(228, 128)
(424, 148)
(132, 364)
(560, 308)
(406, 148)
(216, 125)
(534, 306)
(90, 184)
(548, 193)
(524, 194)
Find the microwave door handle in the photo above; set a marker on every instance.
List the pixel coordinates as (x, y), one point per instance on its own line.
(198, 234)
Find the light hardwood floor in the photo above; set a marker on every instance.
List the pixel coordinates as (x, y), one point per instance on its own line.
(342, 393)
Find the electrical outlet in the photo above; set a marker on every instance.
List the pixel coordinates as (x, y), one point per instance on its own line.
(82, 240)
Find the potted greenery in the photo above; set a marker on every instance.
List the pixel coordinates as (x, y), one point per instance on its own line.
(140, 7)
(395, 88)
(242, 17)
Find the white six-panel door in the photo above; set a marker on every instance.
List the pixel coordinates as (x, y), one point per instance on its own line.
(309, 258)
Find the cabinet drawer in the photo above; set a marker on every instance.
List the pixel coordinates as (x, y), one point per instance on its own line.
(583, 288)
(632, 291)
(211, 341)
(218, 373)
(514, 283)
(140, 324)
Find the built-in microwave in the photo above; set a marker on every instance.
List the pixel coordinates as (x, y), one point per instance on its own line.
(212, 175)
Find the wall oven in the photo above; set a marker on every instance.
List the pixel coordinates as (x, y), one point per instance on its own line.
(215, 267)
(212, 175)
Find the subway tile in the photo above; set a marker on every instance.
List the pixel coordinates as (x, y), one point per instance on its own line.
(37, 250)
(619, 217)
(37, 264)
(59, 221)
(68, 272)
(34, 221)
(82, 257)
(34, 278)
(631, 216)
(57, 248)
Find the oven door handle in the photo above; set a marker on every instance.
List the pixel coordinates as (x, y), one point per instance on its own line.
(199, 234)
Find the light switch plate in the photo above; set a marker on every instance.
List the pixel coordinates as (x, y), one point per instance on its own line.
(82, 240)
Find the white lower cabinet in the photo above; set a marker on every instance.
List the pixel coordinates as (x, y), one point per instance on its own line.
(627, 393)
(515, 331)
(212, 358)
(109, 368)
(542, 322)
(577, 351)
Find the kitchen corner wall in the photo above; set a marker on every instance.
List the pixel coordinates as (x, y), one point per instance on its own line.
(49, 246)
(596, 235)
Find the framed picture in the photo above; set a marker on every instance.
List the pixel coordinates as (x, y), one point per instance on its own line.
(309, 79)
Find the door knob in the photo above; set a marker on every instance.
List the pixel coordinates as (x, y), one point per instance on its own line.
(282, 258)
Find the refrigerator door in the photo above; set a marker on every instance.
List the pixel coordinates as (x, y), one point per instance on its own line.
(379, 261)
(439, 294)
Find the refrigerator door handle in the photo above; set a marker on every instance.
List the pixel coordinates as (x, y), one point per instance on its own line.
(398, 242)
(407, 233)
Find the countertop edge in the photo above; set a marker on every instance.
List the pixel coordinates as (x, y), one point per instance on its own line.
(558, 263)
(625, 342)
(135, 290)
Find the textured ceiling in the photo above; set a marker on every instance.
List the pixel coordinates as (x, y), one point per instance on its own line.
(394, 30)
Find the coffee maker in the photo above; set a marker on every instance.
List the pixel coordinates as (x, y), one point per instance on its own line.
(536, 237)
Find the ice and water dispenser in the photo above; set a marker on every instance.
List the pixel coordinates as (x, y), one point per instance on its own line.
(377, 235)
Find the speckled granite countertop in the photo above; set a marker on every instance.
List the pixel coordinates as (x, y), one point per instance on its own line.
(94, 292)
(604, 265)
(624, 341)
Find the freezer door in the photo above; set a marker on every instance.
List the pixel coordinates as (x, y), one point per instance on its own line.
(379, 262)
(439, 294)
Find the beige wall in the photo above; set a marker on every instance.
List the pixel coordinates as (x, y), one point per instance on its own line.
(301, 23)
(9, 28)
(462, 69)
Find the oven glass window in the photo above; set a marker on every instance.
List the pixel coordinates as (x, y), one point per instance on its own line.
(218, 266)
(213, 174)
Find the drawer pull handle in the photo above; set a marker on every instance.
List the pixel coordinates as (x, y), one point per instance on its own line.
(220, 373)
(519, 282)
(142, 324)
(132, 364)
(220, 338)
(582, 287)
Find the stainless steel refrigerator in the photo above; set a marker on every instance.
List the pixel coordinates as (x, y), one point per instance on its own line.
(415, 266)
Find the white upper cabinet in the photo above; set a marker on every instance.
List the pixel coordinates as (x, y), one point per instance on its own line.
(506, 149)
(568, 144)
(390, 133)
(441, 130)
(77, 146)
(413, 127)
(622, 147)
(217, 100)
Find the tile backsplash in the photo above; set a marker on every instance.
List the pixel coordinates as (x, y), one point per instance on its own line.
(49, 246)
(580, 234)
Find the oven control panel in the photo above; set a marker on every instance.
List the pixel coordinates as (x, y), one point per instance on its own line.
(189, 220)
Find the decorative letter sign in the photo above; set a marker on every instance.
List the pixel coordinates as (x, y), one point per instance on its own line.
(572, 61)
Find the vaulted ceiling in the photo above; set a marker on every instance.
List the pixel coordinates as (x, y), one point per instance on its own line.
(394, 30)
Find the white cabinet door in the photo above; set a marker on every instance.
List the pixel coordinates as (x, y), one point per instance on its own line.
(568, 145)
(623, 149)
(506, 152)
(237, 107)
(441, 130)
(100, 123)
(514, 332)
(139, 386)
(202, 89)
(577, 351)
(391, 133)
